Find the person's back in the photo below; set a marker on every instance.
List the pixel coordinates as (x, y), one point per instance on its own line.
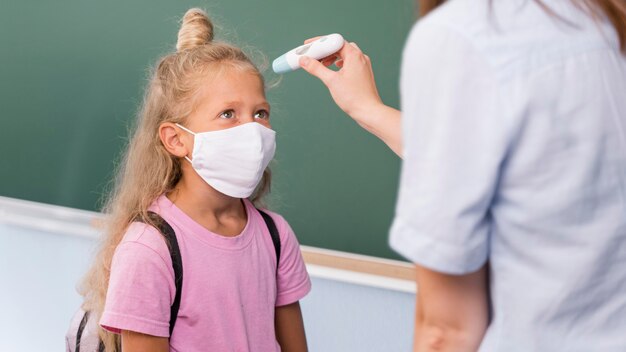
(557, 134)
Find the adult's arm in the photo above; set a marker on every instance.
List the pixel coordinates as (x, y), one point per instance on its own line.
(458, 135)
(452, 311)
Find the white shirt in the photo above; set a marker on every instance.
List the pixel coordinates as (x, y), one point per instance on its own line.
(514, 133)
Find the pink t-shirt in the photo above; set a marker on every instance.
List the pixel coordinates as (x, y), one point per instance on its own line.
(230, 284)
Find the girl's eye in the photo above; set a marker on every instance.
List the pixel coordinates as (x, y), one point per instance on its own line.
(262, 114)
(228, 114)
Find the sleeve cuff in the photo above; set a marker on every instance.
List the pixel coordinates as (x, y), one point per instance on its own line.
(435, 254)
(294, 295)
(115, 323)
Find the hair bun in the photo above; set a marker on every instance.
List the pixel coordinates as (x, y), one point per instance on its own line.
(196, 30)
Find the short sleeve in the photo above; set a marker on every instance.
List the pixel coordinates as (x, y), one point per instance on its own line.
(455, 139)
(141, 287)
(293, 281)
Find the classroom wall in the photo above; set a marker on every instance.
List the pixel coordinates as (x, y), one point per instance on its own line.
(72, 74)
(44, 251)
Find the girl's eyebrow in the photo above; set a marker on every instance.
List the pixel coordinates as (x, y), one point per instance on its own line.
(239, 103)
(232, 103)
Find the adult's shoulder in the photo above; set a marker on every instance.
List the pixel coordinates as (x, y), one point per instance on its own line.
(454, 25)
(460, 12)
(509, 35)
(467, 17)
(450, 36)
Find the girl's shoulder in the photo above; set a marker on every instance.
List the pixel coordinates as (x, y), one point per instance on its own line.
(278, 219)
(139, 234)
(284, 229)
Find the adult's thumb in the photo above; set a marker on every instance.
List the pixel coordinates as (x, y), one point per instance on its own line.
(316, 68)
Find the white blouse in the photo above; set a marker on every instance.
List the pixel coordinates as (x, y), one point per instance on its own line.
(514, 133)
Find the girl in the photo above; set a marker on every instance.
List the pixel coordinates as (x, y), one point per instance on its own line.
(198, 158)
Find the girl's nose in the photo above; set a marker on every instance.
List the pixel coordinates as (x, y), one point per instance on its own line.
(247, 118)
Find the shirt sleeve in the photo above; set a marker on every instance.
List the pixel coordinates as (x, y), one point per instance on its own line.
(454, 141)
(293, 281)
(141, 287)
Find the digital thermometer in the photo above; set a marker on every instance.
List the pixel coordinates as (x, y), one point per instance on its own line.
(318, 49)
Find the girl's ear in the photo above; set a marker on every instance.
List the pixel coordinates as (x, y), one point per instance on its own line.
(176, 141)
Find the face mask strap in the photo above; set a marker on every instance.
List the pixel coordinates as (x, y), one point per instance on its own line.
(185, 129)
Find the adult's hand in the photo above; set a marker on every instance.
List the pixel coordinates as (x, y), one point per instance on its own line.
(353, 89)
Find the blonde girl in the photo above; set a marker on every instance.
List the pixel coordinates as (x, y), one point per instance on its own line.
(198, 158)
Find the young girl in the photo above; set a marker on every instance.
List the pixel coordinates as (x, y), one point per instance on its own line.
(198, 158)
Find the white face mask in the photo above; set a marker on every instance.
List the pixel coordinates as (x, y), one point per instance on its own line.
(233, 160)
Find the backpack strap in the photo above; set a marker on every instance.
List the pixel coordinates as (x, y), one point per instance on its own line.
(172, 243)
(271, 226)
(79, 332)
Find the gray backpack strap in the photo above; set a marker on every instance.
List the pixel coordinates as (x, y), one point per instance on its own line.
(79, 332)
(83, 333)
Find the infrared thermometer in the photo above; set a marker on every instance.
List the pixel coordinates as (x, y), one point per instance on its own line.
(317, 49)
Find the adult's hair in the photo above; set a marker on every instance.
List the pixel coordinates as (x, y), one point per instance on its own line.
(613, 10)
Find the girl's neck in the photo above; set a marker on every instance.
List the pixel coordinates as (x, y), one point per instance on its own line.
(215, 211)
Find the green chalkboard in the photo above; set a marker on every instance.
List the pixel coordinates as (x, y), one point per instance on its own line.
(72, 74)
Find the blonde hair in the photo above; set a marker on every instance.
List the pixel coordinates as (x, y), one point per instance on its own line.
(147, 170)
